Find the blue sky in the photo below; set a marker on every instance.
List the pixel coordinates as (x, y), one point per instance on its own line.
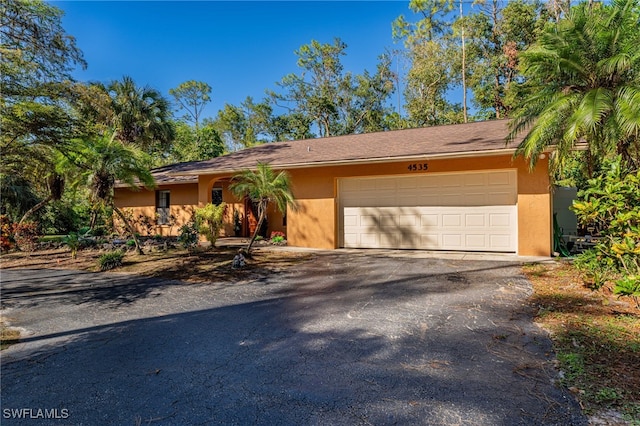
(239, 48)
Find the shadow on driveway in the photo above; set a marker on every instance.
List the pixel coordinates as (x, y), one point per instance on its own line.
(337, 340)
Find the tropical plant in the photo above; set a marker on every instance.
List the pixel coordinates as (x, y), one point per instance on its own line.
(111, 260)
(72, 240)
(583, 87)
(106, 160)
(188, 236)
(277, 237)
(612, 204)
(263, 186)
(141, 115)
(210, 219)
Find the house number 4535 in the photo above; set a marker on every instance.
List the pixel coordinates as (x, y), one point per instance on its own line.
(416, 167)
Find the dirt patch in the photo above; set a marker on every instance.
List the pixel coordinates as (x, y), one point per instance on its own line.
(178, 264)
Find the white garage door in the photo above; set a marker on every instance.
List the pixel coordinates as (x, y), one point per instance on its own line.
(473, 211)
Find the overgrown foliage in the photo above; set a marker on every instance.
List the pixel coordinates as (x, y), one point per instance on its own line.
(188, 235)
(111, 260)
(210, 220)
(583, 87)
(611, 203)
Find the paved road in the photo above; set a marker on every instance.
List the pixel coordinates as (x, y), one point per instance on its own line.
(346, 338)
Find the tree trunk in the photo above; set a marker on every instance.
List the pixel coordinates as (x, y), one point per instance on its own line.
(35, 208)
(464, 70)
(129, 228)
(262, 214)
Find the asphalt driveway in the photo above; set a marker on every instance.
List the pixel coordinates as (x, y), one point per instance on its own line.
(346, 338)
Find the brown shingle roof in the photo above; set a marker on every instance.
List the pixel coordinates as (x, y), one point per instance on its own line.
(468, 139)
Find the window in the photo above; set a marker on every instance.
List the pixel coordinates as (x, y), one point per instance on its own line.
(216, 196)
(162, 207)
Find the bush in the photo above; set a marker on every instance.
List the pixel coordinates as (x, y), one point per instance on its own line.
(73, 242)
(611, 203)
(6, 233)
(111, 260)
(277, 237)
(210, 219)
(26, 236)
(188, 237)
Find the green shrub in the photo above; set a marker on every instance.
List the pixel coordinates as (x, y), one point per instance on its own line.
(130, 243)
(188, 237)
(277, 237)
(611, 203)
(111, 260)
(210, 220)
(73, 242)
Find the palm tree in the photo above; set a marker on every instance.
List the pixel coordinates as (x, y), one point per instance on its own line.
(263, 186)
(106, 161)
(142, 116)
(583, 87)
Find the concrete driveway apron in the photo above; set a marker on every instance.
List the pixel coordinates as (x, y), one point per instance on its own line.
(346, 338)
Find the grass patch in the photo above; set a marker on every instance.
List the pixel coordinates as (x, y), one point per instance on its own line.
(596, 337)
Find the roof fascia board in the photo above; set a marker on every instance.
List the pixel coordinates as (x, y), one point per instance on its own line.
(422, 157)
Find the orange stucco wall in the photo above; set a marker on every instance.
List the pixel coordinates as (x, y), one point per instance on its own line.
(314, 221)
(141, 206)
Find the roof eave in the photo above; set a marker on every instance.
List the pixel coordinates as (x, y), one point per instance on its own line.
(306, 165)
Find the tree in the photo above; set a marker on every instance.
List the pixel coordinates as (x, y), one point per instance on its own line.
(246, 125)
(141, 115)
(336, 102)
(497, 36)
(435, 62)
(583, 86)
(428, 82)
(192, 145)
(263, 187)
(107, 160)
(192, 96)
(36, 116)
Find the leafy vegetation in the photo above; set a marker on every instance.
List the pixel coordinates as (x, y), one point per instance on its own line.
(596, 339)
(188, 235)
(263, 187)
(583, 87)
(210, 219)
(111, 260)
(611, 203)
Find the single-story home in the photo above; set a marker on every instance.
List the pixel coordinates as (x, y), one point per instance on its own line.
(453, 187)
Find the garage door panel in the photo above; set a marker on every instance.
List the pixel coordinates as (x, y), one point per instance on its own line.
(475, 211)
(452, 241)
(388, 221)
(429, 220)
(407, 220)
(500, 178)
(451, 220)
(476, 240)
(472, 220)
